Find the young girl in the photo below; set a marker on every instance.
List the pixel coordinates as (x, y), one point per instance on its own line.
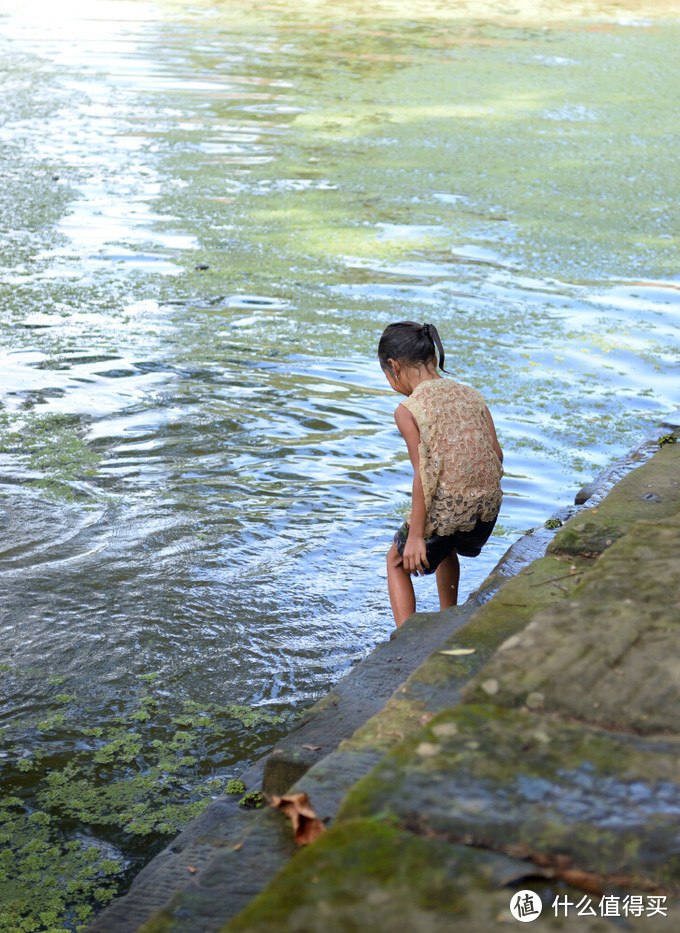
(456, 461)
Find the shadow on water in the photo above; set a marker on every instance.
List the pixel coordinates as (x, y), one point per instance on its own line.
(212, 216)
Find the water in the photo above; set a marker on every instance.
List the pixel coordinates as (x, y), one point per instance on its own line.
(209, 214)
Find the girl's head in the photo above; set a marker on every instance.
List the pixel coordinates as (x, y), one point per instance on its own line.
(412, 346)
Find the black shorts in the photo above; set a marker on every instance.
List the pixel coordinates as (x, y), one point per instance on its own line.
(438, 547)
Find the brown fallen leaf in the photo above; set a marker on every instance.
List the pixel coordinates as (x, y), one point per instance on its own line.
(313, 748)
(306, 824)
(584, 880)
(192, 869)
(239, 845)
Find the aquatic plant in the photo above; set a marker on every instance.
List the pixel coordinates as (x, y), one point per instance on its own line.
(52, 445)
(139, 775)
(252, 801)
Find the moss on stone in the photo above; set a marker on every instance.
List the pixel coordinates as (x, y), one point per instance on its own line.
(520, 782)
(609, 654)
(649, 492)
(369, 874)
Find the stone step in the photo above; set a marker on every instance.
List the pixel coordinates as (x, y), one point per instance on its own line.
(576, 810)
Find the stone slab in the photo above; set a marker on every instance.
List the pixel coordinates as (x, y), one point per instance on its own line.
(557, 793)
(230, 882)
(610, 654)
(652, 491)
(369, 875)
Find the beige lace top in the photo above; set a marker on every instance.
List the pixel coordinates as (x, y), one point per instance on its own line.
(459, 469)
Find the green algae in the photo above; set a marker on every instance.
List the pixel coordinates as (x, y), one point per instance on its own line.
(252, 800)
(46, 879)
(552, 146)
(120, 778)
(53, 445)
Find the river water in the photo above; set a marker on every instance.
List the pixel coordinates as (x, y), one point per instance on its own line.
(209, 214)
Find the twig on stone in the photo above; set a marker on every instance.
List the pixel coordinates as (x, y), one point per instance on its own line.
(563, 576)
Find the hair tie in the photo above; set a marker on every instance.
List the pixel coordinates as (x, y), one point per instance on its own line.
(426, 330)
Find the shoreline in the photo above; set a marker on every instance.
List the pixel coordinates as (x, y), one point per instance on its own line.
(314, 754)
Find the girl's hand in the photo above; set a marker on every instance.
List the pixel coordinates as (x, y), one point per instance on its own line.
(415, 555)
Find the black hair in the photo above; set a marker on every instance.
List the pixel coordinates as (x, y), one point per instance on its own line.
(413, 343)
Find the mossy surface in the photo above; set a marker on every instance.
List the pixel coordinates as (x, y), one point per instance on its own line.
(609, 654)
(521, 783)
(651, 491)
(369, 874)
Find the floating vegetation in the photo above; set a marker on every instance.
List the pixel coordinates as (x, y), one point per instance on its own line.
(45, 878)
(52, 445)
(142, 774)
(553, 523)
(252, 801)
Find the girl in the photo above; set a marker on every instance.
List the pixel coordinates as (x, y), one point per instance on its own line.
(456, 461)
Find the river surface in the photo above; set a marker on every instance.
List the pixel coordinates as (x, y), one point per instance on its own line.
(209, 214)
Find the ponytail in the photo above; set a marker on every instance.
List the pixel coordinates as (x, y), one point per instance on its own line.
(429, 330)
(411, 342)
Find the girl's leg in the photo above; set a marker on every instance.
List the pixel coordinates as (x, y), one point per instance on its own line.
(402, 596)
(448, 574)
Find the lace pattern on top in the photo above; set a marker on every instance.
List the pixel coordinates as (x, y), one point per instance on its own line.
(459, 468)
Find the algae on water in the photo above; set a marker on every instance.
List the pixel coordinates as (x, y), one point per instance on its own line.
(139, 775)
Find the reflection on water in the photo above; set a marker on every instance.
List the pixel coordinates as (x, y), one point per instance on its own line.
(209, 217)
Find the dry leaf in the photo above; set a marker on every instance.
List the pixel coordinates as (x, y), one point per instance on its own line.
(239, 845)
(306, 824)
(584, 880)
(313, 748)
(459, 651)
(192, 869)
